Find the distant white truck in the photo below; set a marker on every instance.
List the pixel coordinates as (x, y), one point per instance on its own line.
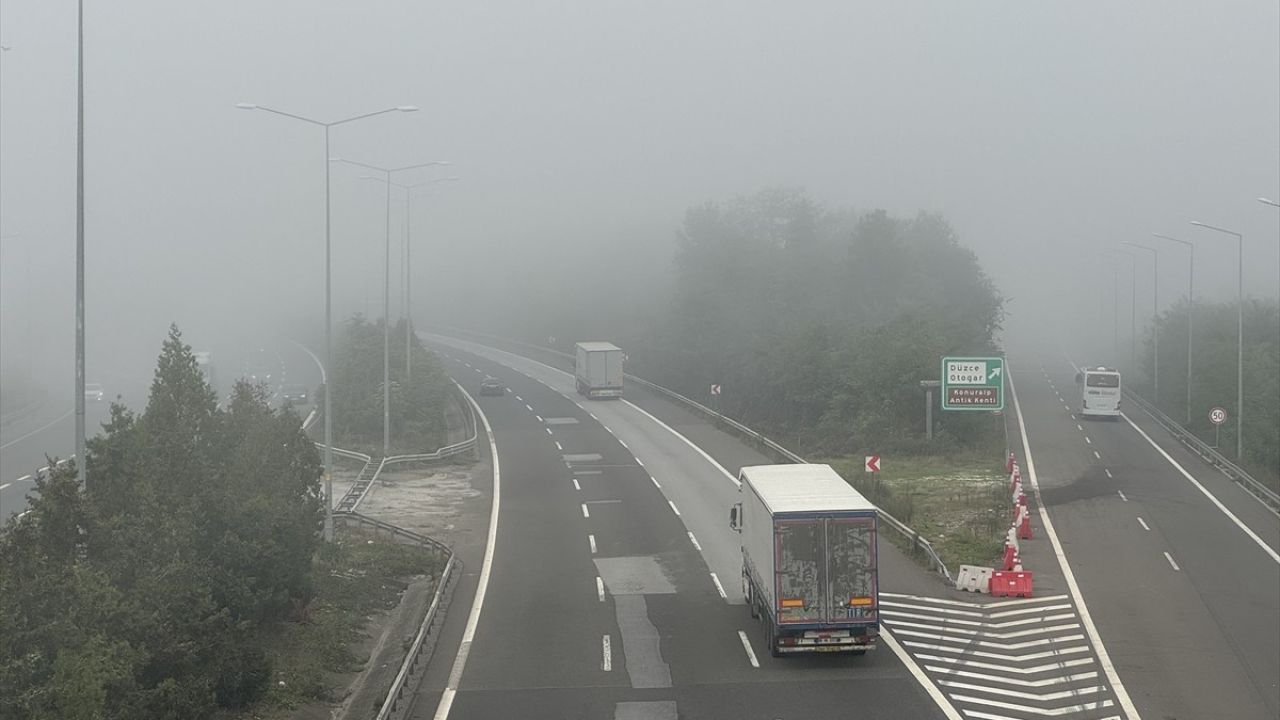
(809, 559)
(598, 369)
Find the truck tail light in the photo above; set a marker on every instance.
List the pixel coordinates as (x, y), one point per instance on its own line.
(793, 602)
(861, 602)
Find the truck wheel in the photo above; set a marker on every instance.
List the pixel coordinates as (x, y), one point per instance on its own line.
(770, 639)
(751, 601)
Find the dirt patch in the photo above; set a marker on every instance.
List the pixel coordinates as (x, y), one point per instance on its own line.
(429, 500)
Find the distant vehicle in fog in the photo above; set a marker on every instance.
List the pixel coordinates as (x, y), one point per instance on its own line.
(492, 386)
(1100, 392)
(598, 369)
(295, 394)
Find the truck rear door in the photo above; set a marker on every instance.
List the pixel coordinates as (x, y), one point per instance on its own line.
(826, 570)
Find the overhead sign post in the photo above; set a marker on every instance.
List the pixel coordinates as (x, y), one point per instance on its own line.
(973, 383)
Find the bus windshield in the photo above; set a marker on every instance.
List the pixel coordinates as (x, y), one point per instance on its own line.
(1102, 380)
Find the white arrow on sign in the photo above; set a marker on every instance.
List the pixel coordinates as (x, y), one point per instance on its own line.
(872, 464)
(994, 372)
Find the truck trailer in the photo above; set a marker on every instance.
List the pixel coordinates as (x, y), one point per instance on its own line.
(809, 559)
(598, 369)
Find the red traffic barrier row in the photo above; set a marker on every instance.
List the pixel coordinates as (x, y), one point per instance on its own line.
(1011, 580)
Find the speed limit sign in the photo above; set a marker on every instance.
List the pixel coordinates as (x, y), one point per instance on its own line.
(1217, 416)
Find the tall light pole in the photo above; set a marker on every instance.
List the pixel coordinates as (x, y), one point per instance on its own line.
(408, 267)
(1155, 312)
(328, 299)
(1191, 307)
(386, 295)
(1262, 200)
(1239, 332)
(79, 391)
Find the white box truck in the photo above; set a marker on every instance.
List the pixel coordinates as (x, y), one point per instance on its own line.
(598, 369)
(808, 559)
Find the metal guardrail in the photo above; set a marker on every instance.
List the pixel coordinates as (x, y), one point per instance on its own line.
(917, 541)
(394, 703)
(1265, 495)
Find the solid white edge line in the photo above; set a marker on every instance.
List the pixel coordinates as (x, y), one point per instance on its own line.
(719, 587)
(600, 588)
(1104, 659)
(1143, 523)
(746, 645)
(1172, 564)
(686, 441)
(606, 662)
(473, 619)
(1212, 498)
(934, 693)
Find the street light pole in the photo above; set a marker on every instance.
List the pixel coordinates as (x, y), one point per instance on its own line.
(1262, 200)
(1191, 307)
(328, 297)
(1155, 312)
(386, 295)
(408, 273)
(1239, 333)
(1133, 305)
(80, 423)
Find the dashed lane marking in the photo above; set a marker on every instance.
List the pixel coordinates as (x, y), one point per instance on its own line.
(746, 645)
(606, 661)
(1096, 455)
(674, 509)
(600, 588)
(585, 512)
(591, 539)
(694, 540)
(1122, 495)
(559, 446)
(1172, 564)
(1143, 523)
(1108, 472)
(719, 587)
(576, 486)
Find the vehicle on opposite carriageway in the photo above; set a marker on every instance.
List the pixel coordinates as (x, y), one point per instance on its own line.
(809, 559)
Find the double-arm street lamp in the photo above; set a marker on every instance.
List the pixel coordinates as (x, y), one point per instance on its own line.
(386, 294)
(1239, 332)
(1155, 312)
(1191, 307)
(328, 297)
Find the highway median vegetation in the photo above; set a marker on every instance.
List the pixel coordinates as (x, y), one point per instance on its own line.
(147, 594)
(418, 401)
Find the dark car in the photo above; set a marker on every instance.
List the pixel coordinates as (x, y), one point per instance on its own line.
(492, 386)
(295, 394)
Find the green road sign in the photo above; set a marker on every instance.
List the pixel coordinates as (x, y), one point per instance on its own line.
(973, 383)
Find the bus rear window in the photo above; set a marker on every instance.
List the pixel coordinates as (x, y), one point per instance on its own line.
(1102, 381)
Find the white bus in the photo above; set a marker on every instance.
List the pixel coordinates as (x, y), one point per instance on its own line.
(1099, 392)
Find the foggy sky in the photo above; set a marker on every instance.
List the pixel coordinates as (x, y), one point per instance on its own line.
(1040, 130)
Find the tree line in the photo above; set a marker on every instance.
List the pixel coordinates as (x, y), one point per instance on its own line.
(419, 393)
(147, 592)
(1213, 376)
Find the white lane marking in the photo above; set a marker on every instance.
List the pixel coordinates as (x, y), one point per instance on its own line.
(638, 461)
(1095, 454)
(1086, 439)
(521, 400)
(968, 642)
(1079, 427)
(958, 603)
(600, 588)
(892, 616)
(1019, 695)
(585, 513)
(1122, 496)
(623, 443)
(486, 567)
(576, 486)
(538, 417)
(606, 662)
(1001, 656)
(549, 431)
(655, 482)
(1007, 668)
(746, 645)
(1108, 472)
(1143, 523)
(324, 379)
(1062, 680)
(974, 633)
(7, 485)
(592, 540)
(1212, 498)
(674, 509)
(1055, 712)
(686, 441)
(1104, 658)
(477, 370)
(464, 362)
(694, 540)
(42, 428)
(719, 587)
(528, 407)
(1172, 564)
(934, 693)
(559, 446)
